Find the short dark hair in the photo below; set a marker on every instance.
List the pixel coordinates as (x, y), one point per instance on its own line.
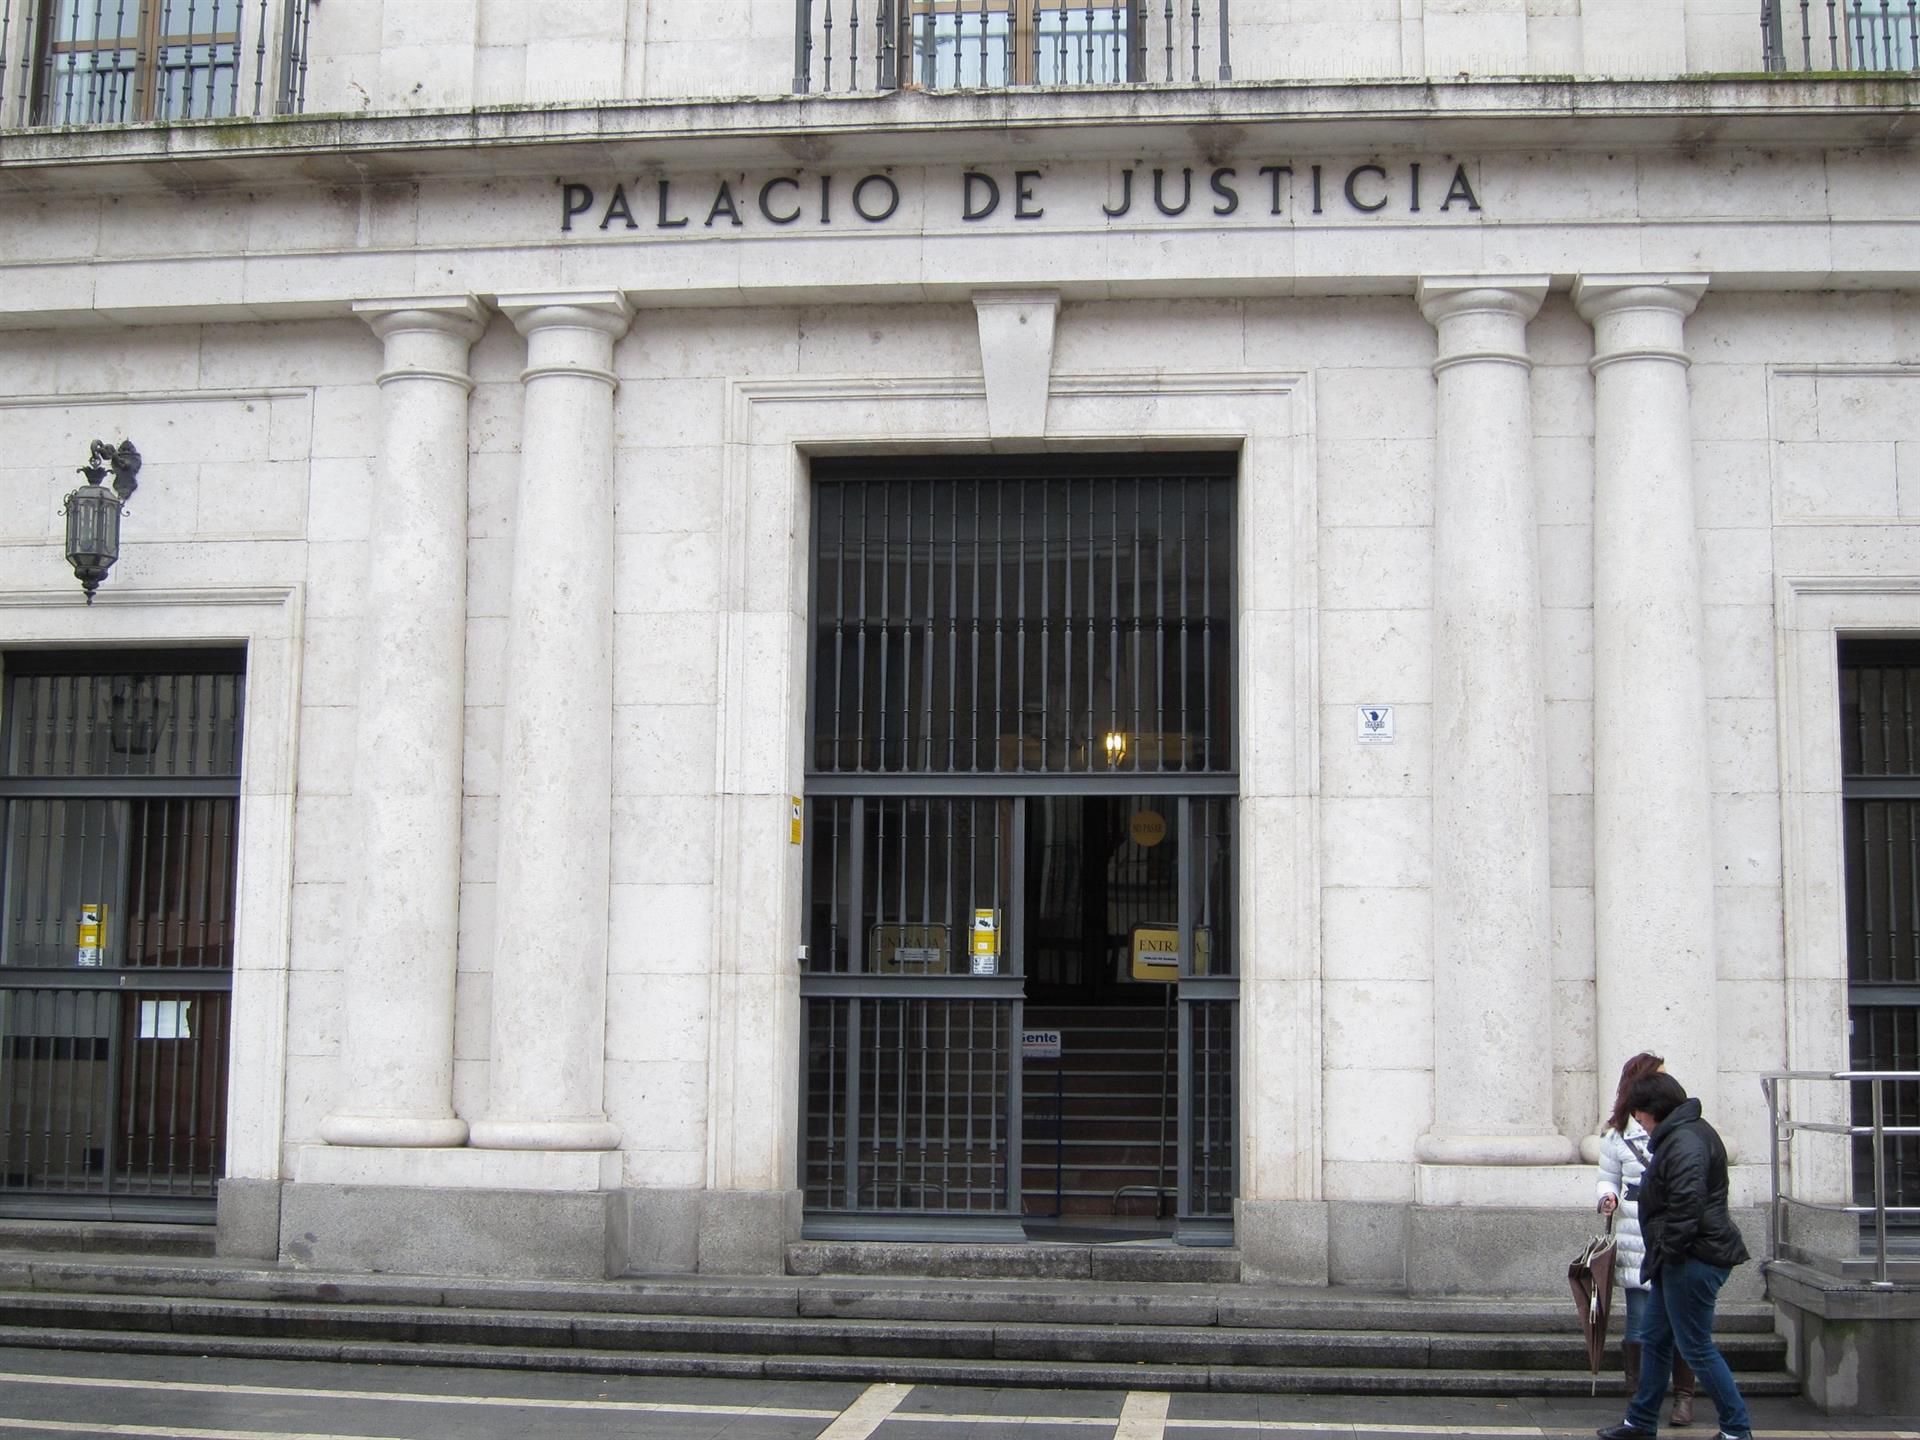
(1659, 1094)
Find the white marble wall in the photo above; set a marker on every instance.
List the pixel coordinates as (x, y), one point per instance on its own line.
(436, 54)
(260, 441)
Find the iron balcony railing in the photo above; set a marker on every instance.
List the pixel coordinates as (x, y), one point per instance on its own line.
(1875, 35)
(122, 62)
(848, 45)
(1882, 1129)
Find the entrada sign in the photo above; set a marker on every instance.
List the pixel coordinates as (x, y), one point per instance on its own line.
(1149, 193)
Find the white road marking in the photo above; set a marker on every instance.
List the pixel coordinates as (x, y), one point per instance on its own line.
(867, 1414)
(1144, 1416)
(514, 1402)
(176, 1432)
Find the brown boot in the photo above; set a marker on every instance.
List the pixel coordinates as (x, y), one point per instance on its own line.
(1630, 1362)
(1683, 1387)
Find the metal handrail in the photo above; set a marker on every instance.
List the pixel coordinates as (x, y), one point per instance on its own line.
(1858, 35)
(1782, 1127)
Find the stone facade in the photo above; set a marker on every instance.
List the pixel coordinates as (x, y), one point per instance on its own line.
(1575, 418)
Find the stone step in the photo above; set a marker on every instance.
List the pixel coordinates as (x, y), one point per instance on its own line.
(1060, 1333)
(1066, 1342)
(1148, 1374)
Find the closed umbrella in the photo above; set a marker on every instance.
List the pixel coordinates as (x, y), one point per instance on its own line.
(1591, 1276)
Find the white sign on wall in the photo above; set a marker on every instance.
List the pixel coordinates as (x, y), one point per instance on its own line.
(1040, 1044)
(1373, 724)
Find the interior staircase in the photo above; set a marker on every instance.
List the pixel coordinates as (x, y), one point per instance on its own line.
(1098, 1125)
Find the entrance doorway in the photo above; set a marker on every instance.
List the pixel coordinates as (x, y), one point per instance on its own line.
(1019, 987)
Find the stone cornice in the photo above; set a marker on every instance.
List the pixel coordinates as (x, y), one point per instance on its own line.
(976, 127)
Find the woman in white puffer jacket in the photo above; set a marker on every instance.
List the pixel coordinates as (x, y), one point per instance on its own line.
(1623, 1158)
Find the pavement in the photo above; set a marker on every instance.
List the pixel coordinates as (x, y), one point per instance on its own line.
(51, 1393)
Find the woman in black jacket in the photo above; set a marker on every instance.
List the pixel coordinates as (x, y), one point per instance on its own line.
(1692, 1246)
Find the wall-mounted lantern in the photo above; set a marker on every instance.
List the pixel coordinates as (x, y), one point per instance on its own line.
(93, 512)
(1116, 746)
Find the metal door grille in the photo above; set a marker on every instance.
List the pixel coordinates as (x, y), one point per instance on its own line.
(1880, 754)
(987, 634)
(119, 798)
(1013, 620)
(908, 1105)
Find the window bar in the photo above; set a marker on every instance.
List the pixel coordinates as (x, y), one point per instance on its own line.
(6, 30)
(1160, 619)
(1045, 624)
(1194, 21)
(902, 1016)
(1039, 42)
(1913, 35)
(1206, 628)
(180, 1016)
(259, 64)
(1187, 748)
(306, 35)
(44, 1058)
(923, 1130)
(1087, 43)
(1066, 627)
(1113, 607)
(1138, 743)
(1020, 639)
(139, 921)
(883, 51)
(981, 78)
(906, 640)
(999, 623)
(1116, 59)
(953, 630)
(162, 85)
(199, 1027)
(853, 44)
(927, 643)
(29, 44)
(1095, 752)
(162, 921)
(839, 734)
(826, 68)
(1166, 19)
(1892, 901)
(1833, 34)
(1009, 62)
(885, 618)
(973, 693)
(95, 73)
(860, 648)
(203, 898)
(1226, 51)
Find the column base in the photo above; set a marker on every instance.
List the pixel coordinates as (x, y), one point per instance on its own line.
(545, 1135)
(1543, 1149)
(413, 1132)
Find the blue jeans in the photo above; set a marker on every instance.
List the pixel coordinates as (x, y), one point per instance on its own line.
(1637, 1306)
(1681, 1317)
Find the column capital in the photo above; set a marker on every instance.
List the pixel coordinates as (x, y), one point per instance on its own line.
(1481, 319)
(607, 311)
(1442, 297)
(1677, 294)
(458, 315)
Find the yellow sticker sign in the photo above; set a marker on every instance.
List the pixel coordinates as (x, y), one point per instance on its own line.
(90, 943)
(986, 942)
(794, 825)
(1156, 954)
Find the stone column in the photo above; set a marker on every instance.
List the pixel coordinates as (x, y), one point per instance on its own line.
(1492, 975)
(550, 957)
(1652, 818)
(396, 1049)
